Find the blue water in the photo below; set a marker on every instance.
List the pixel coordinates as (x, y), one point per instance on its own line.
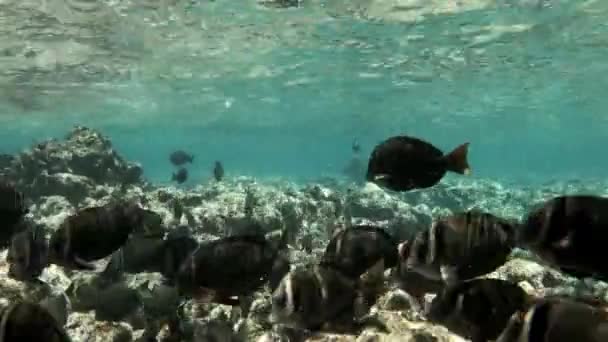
(283, 92)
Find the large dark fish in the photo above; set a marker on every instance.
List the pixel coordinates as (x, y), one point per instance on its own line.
(179, 244)
(313, 297)
(152, 254)
(354, 250)
(93, 233)
(462, 246)
(27, 254)
(180, 157)
(24, 321)
(12, 210)
(568, 232)
(478, 309)
(112, 302)
(558, 320)
(139, 254)
(181, 176)
(404, 163)
(218, 171)
(234, 266)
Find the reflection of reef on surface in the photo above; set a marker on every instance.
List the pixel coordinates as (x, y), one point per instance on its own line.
(84, 171)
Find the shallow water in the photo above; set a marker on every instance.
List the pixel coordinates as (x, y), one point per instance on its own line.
(282, 92)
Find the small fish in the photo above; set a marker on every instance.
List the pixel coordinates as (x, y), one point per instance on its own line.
(233, 266)
(25, 321)
(557, 320)
(27, 254)
(218, 171)
(180, 157)
(356, 147)
(316, 297)
(403, 163)
(12, 210)
(354, 250)
(93, 234)
(181, 176)
(460, 247)
(568, 232)
(478, 309)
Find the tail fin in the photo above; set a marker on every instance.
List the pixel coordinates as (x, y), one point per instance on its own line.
(457, 160)
(173, 176)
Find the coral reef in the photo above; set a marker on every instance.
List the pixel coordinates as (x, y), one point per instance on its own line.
(84, 170)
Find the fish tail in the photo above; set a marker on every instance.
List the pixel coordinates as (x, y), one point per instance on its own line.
(457, 160)
(173, 176)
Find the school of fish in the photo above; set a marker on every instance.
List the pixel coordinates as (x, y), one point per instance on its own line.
(334, 294)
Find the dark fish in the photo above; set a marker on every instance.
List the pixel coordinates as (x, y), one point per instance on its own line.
(139, 254)
(116, 302)
(178, 246)
(93, 233)
(313, 297)
(412, 282)
(404, 163)
(27, 254)
(568, 232)
(459, 247)
(26, 321)
(234, 266)
(181, 176)
(12, 210)
(478, 309)
(356, 147)
(354, 250)
(180, 157)
(152, 254)
(218, 171)
(558, 320)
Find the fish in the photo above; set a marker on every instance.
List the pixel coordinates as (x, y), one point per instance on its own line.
(27, 254)
(478, 309)
(567, 232)
(180, 157)
(315, 297)
(161, 304)
(354, 250)
(557, 320)
(218, 171)
(152, 254)
(403, 163)
(139, 254)
(181, 176)
(26, 321)
(412, 282)
(178, 246)
(234, 266)
(93, 234)
(461, 246)
(111, 302)
(356, 147)
(12, 210)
